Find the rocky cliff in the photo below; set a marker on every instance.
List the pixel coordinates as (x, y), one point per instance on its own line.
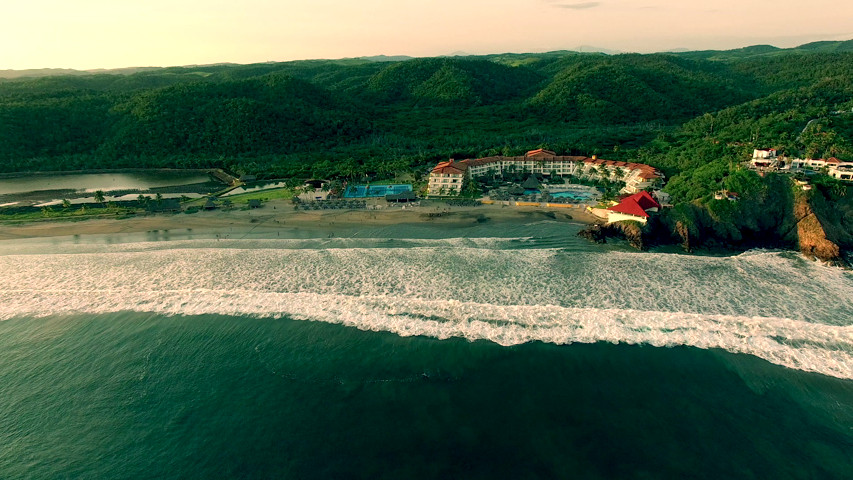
(812, 236)
(818, 223)
(825, 225)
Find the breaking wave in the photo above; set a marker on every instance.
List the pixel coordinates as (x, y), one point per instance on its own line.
(774, 305)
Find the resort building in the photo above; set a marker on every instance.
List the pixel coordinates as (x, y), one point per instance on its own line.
(447, 178)
(834, 167)
(636, 176)
(764, 158)
(812, 163)
(840, 170)
(636, 208)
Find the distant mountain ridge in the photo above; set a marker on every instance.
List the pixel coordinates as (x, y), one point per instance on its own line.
(750, 51)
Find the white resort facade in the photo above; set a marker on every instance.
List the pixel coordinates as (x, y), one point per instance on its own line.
(448, 177)
(766, 159)
(835, 168)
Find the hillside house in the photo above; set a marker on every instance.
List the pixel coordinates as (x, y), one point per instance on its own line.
(840, 170)
(764, 158)
(725, 195)
(811, 163)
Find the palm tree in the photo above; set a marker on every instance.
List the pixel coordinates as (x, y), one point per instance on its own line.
(143, 200)
(66, 204)
(99, 196)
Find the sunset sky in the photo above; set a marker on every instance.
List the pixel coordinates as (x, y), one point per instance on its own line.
(87, 34)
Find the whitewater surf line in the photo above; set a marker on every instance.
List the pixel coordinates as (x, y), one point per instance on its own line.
(774, 305)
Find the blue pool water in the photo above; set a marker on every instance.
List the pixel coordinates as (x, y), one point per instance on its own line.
(361, 191)
(575, 195)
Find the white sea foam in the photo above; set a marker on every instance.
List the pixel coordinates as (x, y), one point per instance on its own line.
(773, 305)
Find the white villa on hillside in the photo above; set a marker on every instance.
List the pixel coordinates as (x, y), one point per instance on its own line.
(764, 158)
(812, 163)
(834, 167)
(636, 176)
(840, 170)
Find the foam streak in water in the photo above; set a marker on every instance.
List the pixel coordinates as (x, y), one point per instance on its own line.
(471, 290)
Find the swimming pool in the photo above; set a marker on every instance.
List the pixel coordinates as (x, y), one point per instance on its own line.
(361, 191)
(575, 195)
(570, 195)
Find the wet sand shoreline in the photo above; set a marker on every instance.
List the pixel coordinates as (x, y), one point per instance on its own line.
(278, 215)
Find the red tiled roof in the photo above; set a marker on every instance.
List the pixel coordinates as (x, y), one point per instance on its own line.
(832, 160)
(538, 151)
(645, 200)
(450, 167)
(630, 207)
(481, 161)
(646, 171)
(636, 205)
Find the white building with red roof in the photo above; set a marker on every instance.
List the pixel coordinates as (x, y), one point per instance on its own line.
(840, 170)
(636, 176)
(834, 167)
(447, 178)
(636, 208)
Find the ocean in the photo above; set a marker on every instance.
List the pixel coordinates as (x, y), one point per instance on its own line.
(489, 350)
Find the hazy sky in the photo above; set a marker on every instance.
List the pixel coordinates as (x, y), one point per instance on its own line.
(87, 34)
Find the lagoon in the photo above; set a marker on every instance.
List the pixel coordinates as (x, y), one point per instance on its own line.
(91, 182)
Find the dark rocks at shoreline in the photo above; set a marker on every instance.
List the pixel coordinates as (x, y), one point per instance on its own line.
(594, 233)
(630, 231)
(816, 224)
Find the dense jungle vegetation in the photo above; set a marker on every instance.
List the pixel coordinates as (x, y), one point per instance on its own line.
(695, 115)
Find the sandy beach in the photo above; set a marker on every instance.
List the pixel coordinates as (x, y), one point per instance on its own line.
(279, 216)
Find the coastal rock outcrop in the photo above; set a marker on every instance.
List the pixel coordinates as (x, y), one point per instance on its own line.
(813, 240)
(594, 233)
(630, 231)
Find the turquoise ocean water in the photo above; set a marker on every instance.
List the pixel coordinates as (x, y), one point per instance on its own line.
(510, 350)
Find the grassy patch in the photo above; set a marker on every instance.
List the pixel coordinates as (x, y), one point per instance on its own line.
(66, 214)
(265, 195)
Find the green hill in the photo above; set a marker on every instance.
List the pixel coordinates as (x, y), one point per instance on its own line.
(450, 81)
(683, 112)
(203, 120)
(638, 88)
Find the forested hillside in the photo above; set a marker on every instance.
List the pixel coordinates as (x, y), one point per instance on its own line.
(693, 114)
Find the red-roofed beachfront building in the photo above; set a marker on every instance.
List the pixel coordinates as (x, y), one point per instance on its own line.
(636, 208)
(447, 178)
(636, 176)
